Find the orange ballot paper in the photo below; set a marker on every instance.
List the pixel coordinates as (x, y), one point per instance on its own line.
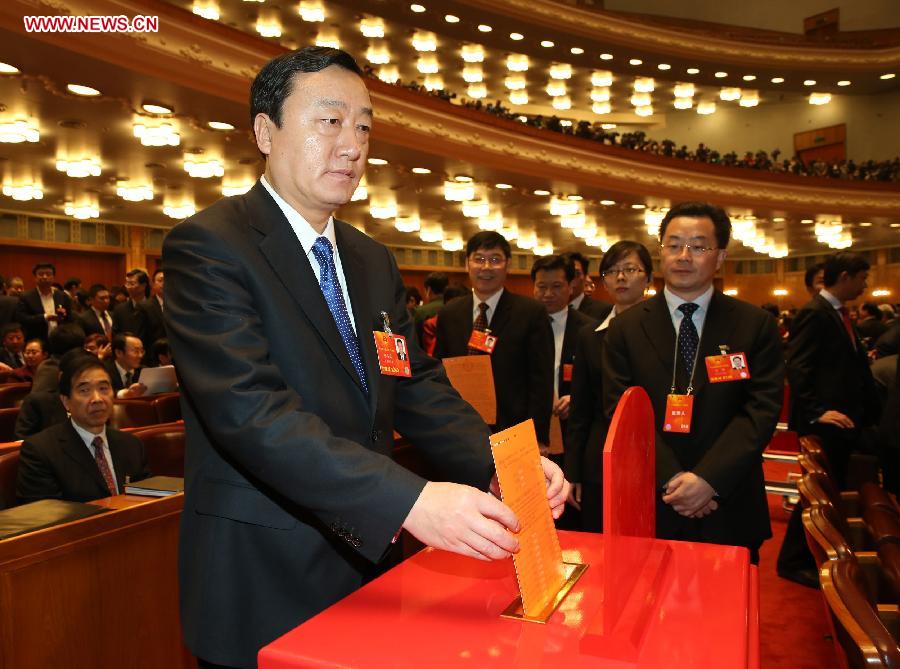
(540, 571)
(473, 379)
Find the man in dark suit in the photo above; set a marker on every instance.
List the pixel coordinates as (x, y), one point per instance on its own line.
(710, 478)
(522, 360)
(81, 459)
(9, 304)
(128, 316)
(42, 309)
(125, 365)
(290, 492)
(96, 319)
(154, 326)
(581, 301)
(12, 343)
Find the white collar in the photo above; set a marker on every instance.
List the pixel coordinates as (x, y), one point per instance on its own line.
(673, 301)
(88, 437)
(576, 301)
(560, 316)
(605, 324)
(305, 232)
(832, 300)
(491, 301)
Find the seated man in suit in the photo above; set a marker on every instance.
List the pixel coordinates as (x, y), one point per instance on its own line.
(13, 344)
(81, 459)
(125, 366)
(42, 308)
(96, 319)
(522, 358)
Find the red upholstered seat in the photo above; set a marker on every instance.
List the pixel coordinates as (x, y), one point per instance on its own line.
(132, 413)
(164, 445)
(12, 394)
(168, 407)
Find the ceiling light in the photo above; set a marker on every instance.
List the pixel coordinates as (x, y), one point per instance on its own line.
(517, 62)
(516, 36)
(472, 53)
(706, 108)
(560, 71)
(819, 98)
(881, 292)
(541, 192)
(600, 94)
(519, 98)
(477, 91)
(472, 74)
(382, 210)
(644, 85)
(601, 108)
(806, 221)
(389, 74)
(693, 70)
(889, 75)
(562, 102)
(431, 234)
(427, 64)
(220, 125)
(729, 94)
(527, 240)
(180, 212)
(476, 208)
(606, 56)
(78, 89)
(641, 99)
(730, 292)
(23, 192)
(576, 51)
(749, 77)
(556, 88)
(601, 78)
(230, 190)
(452, 244)
(493, 223)
(13, 132)
(484, 28)
(156, 108)
(749, 98)
(83, 210)
(895, 225)
(377, 161)
(423, 40)
(456, 191)
(646, 110)
(312, 11)
(378, 54)
(208, 9)
(361, 192)
(865, 224)
(328, 38)
(778, 219)
(777, 80)
(607, 203)
(683, 103)
(463, 178)
(547, 44)
(408, 224)
(560, 207)
(809, 82)
(515, 82)
(6, 68)
(721, 75)
(136, 193)
(372, 26)
(608, 126)
(638, 206)
(503, 186)
(635, 61)
(450, 18)
(418, 9)
(268, 23)
(203, 169)
(684, 90)
(663, 67)
(434, 82)
(80, 169)
(843, 82)
(420, 170)
(162, 134)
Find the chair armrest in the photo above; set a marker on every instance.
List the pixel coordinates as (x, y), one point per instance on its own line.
(890, 618)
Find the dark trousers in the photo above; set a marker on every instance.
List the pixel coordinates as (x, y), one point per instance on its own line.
(591, 507)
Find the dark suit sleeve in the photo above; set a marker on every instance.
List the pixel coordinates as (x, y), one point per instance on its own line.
(581, 408)
(804, 363)
(28, 420)
(27, 317)
(740, 445)
(247, 409)
(540, 357)
(442, 333)
(35, 479)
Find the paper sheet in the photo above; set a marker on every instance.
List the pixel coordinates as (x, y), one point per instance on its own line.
(473, 378)
(159, 379)
(539, 564)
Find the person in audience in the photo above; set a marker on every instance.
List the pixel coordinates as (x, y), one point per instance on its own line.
(887, 314)
(9, 304)
(709, 473)
(15, 286)
(96, 319)
(65, 338)
(581, 301)
(154, 326)
(870, 325)
(97, 344)
(626, 272)
(43, 408)
(117, 295)
(125, 365)
(160, 354)
(413, 300)
(889, 342)
(12, 339)
(42, 309)
(435, 285)
(34, 354)
(81, 459)
(429, 325)
(290, 491)
(832, 392)
(70, 288)
(522, 359)
(814, 279)
(128, 316)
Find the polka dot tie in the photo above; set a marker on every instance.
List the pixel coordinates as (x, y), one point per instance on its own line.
(331, 288)
(688, 339)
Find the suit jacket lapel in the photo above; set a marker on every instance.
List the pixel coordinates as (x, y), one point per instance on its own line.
(717, 329)
(838, 321)
(284, 253)
(74, 448)
(658, 328)
(501, 315)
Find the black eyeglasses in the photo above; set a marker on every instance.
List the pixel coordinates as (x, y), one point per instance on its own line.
(694, 250)
(629, 272)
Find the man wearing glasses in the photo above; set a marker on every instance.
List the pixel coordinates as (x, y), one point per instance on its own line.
(711, 424)
(516, 326)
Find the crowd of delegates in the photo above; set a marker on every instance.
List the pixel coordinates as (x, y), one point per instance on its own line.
(120, 329)
(869, 170)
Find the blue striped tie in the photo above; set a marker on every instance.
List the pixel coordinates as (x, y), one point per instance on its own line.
(331, 288)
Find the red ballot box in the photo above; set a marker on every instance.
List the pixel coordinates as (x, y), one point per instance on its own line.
(642, 602)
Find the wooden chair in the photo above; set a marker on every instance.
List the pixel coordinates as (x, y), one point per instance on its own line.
(164, 445)
(168, 407)
(12, 394)
(8, 423)
(826, 542)
(865, 631)
(9, 469)
(132, 413)
(816, 488)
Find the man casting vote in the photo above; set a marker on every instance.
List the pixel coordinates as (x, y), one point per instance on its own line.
(272, 309)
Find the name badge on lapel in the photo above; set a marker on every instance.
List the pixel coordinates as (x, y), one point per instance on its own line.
(727, 367)
(393, 354)
(483, 340)
(567, 372)
(678, 413)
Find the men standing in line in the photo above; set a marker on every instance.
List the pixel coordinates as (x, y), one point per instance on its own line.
(96, 319)
(712, 421)
(128, 316)
(41, 309)
(581, 301)
(154, 327)
(272, 311)
(522, 351)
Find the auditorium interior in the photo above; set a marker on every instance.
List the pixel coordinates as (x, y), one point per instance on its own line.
(565, 125)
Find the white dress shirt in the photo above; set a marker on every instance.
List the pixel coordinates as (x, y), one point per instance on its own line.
(606, 321)
(88, 439)
(699, 317)
(576, 303)
(491, 302)
(558, 325)
(832, 300)
(49, 308)
(307, 236)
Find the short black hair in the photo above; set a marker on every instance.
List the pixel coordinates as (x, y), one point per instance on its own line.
(810, 275)
(413, 292)
(437, 282)
(274, 83)
(551, 263)
(64, 338)
(142, 279)
(872, 309)
(846, 261)
(73, 365)
(580, 258)
(43, 265)
(620, 249)
(9, 328)
(716, 214)
(96, 288)
(37, 340)
(72, 282)
(119, 341)
(160, 347)
(488, 239)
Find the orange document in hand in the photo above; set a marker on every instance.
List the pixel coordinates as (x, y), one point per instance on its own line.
(473, 378)
(539, 564)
